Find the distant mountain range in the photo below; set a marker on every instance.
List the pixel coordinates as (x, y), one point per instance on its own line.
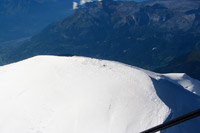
(18, 6)
(24, 18)
(147, 35)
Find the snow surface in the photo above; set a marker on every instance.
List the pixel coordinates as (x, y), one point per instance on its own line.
(49, 94)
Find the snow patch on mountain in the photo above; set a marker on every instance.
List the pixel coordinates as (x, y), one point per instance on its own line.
(180, 79)
(49, 94)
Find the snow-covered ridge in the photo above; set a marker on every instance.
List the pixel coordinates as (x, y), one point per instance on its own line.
(49, 94)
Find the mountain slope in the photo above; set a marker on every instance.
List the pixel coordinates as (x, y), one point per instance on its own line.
(82, 95)
(148, 35)
(188, 63)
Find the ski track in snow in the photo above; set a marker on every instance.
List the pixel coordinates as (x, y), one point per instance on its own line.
(49, 94)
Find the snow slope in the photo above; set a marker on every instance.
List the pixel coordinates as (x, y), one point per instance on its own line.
(49, 94)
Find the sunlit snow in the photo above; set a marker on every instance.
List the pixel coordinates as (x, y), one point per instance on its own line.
(49, 94)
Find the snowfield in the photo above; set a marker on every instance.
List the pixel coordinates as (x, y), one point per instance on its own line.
(49, 94)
